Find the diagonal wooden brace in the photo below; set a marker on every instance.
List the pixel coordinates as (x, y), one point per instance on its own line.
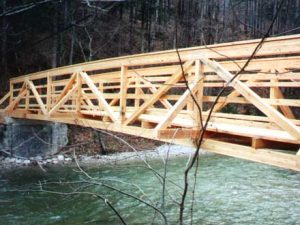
(37, 96)
(15, 102)
(160, 92)
(182, 101)
(5, 97)
(99, 96)
(67, 88)
(63, 100)
(153, 89)
(253, 98)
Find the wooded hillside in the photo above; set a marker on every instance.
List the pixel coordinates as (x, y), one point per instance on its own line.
(42, 34)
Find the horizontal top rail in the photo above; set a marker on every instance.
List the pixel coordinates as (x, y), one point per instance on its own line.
(275, 46)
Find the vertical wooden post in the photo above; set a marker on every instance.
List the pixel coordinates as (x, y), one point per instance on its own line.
(273, 89)
(49, 92)
(123, 93)
(137, 92)
(190, 103)
(27, 100)
(199, 75)
(79, 94)
(101, 89)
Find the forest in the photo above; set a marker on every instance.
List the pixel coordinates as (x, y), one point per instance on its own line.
(145, 139)
(42, 34)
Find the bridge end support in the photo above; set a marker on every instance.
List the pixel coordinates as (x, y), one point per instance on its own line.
(28, 138)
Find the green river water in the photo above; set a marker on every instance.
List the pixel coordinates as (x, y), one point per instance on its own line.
(228, 191)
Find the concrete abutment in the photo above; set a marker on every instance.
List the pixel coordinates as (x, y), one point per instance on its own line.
(30, 138)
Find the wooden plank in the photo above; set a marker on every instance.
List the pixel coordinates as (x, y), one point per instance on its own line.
(265, 156)
(252, 97)
(168, 84)
(241, 100)
(178, 133)
(37, 96)
(123, 93)
(99, 96)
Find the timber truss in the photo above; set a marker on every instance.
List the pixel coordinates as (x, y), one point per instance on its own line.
(146, 95)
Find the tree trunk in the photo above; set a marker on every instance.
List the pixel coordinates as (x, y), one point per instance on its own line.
(4, 41)
(55, 39)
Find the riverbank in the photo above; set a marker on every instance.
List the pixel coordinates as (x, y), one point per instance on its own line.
(161, 152)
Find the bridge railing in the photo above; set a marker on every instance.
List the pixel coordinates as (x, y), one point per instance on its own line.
(149, 91)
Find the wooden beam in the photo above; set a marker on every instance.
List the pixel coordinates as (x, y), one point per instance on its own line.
(67, 87)
(49, 92)
(253, 98)
(265, 156)
(27, 100)
(123, 93)
(274, 91)
(153, 89)
(117, 99)
(79, 94)
(160, 92)
(5, 97)
(37, 96)
(99, 96)
(199, 75)
(286, 110)
(87, 100)
(242, 49)
(178, 133)
(257, 143)
(147, 125)
(14, 103)
(233, 94)
(182, 101)
(137, 92)
(63, 100)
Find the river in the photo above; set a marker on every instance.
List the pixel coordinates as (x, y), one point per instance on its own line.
(228, 191)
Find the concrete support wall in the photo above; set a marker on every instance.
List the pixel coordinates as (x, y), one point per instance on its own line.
(28, 138)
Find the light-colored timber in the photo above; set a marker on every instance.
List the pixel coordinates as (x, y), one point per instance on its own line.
(256, 118)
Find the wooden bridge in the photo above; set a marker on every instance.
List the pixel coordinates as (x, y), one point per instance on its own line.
(257, 117)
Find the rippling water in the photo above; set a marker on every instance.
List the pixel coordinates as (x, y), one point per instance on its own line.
(228, 191)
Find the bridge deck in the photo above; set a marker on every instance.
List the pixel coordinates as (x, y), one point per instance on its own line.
(146, 95)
